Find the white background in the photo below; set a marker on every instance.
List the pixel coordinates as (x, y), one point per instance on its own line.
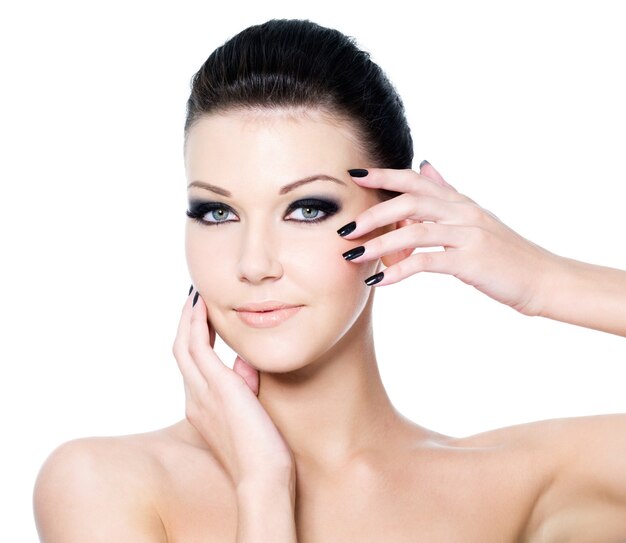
(519, 105)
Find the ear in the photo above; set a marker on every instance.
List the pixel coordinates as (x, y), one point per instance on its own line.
(392, 258)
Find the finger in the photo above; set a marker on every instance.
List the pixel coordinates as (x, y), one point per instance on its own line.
(406, 180)
(431, 261)
(200, 348)
(428, 170)
(407, 206)
(180, 348)
(249, 374)
(413, 236)
(211, 330)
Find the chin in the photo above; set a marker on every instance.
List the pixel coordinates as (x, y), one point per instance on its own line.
(272, 356)
(272, 352)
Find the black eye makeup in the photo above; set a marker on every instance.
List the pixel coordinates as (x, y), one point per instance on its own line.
(213, 213)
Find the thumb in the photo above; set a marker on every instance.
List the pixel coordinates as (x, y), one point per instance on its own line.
(427, 170)
(250, 375)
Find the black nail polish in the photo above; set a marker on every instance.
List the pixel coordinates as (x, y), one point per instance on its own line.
(190, 290)
(423, 163)
(353, 253)
(376, 278)
(358, 172)
(195, 298)
(346, 229)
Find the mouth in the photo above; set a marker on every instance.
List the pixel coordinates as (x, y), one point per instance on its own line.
(268, 317)
(265, 307)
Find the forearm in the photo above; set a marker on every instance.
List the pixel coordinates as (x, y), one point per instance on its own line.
(266, 513)
(586, 295)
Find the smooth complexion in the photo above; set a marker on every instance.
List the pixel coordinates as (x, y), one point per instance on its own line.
(318, 371)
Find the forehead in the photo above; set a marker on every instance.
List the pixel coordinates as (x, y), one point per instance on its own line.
(273, 146)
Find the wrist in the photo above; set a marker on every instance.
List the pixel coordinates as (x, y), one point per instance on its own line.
(278, 473)
(587, 295)
(250, 490)
(266, 512)
(547, 279)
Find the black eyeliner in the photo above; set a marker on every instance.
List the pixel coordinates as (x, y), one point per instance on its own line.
(328, 206)
(199, 208)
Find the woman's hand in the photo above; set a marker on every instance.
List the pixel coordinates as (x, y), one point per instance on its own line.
(478, 248)
(222, 405)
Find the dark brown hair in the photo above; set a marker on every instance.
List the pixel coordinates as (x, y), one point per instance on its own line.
(292, 63)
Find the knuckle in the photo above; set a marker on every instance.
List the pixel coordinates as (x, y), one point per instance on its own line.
(405, 198)
(424, 260)
(373, 247)
(478, 235)
(407, 203)
(474, 213)
(418, 230)
(190, 412)
(465, 198)
(195, 345)
(366, 219)
(176, 349)
(195, 349)
(399, 269)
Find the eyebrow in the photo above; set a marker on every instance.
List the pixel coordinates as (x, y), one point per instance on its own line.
(284, 190)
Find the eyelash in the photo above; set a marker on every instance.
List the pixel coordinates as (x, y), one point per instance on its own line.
(198, 209)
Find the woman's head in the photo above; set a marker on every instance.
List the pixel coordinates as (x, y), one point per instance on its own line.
(280, 102)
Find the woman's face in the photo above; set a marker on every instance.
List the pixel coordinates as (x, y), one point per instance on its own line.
(260, 244)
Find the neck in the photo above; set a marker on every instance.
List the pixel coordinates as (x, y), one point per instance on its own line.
(335, 407)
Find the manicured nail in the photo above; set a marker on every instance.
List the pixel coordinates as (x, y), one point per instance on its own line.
(358, 172)
(190, 290)
(353, 253)
(195, 298)
(346, 229)
(423, 162)
(376, 278)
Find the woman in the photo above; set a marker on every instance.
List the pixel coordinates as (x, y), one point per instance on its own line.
(298, 144)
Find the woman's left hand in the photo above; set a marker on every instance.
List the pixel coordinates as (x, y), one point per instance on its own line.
(478, 248)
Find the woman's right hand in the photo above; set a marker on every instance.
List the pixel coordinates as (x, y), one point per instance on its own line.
(222, 405)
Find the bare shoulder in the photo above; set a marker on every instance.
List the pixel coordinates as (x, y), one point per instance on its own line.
(573, 447)
(97, 489)
(581, 462)
(605, 433)
(126, 488)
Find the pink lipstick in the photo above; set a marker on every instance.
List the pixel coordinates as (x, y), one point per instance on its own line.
(266, 314)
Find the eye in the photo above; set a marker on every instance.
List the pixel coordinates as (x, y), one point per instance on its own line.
(312, 207)
(198, 211)
(213, 213)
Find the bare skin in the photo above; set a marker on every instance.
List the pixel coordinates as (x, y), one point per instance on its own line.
(362, 471)
(517, 484)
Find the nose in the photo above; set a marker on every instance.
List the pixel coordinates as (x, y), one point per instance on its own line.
(258, 255)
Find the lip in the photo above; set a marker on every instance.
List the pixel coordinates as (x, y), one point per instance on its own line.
(268, 305)
(268, 319)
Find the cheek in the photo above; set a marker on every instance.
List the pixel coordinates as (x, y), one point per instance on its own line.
(334, 288)
(315, 261)
(209, 261)
(314, 273)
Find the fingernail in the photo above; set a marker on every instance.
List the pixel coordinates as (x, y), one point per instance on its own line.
(190, 289)
(358, 172)
(353, 253)
(195, 298)
(376, 278)
(346, 229)
(423, 162)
